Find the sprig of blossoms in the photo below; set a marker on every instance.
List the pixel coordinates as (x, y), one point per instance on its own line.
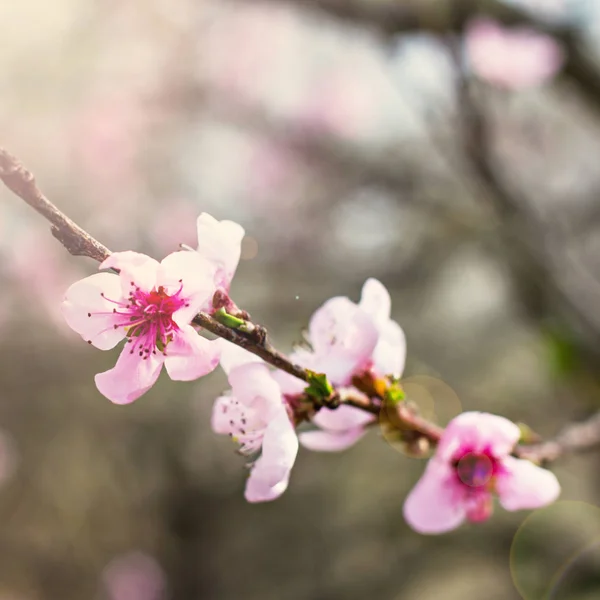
(354, 349)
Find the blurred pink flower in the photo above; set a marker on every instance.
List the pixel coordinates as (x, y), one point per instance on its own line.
(340, 104)
(255, 414)
(511, 58)
(151, 304)
(473, 461)
(134, 576)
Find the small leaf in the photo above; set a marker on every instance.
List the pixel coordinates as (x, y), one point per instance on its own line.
(225, 318)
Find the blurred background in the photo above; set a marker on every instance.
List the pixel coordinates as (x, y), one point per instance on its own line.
(448, 148)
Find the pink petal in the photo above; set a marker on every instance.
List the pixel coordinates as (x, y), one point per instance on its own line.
(524, 485)
(477, 432)
(290, 385)
(375, 301)
(131, 377)
(84, 298)
(253, 386)
(190, 356)
(220, 421)
(194, 275)
(134, 267)
(329, 441)
(220, 242)
(270, 474)
(233, 356)
(342, 418)
(433, 505)
(343, 337)
(389, 355)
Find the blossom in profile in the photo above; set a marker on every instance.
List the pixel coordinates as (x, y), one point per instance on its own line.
(151, 305)
(255, 414)
(514, 58)
(220, 242)
(348, 340)
(472, 463)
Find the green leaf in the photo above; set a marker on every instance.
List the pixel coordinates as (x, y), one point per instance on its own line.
(394, 394)
(319, 386)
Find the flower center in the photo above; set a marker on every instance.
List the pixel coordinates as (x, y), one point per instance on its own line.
(475, 470)
(148, 318)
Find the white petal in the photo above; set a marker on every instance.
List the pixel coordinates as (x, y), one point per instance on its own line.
(85, 298)
(190, 356)
(389, 356)
(524, 485)
(220, 242)
(375, 301)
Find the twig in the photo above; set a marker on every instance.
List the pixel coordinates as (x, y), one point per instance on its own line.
(78, 242)
(575, 437)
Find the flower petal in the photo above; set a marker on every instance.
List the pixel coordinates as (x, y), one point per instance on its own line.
(341, 418)
(389, 355)
(221, 243)
(233, 356)
(190, 356)
(131, 377)
(375, 301)
(84, 298)
(330, 441)
(253, 386)
(194, 275)
(433, 505)
(133, 267)
(524, 485)
(270, 474)
(478, 431)
(220, 420)
(343, 337)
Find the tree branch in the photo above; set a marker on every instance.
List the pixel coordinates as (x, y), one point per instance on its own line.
(78, 242)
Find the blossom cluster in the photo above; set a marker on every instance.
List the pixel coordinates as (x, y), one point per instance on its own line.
(356, 348)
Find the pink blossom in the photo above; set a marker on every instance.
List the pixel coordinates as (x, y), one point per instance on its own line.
(255, 415)
(134, 576)
(348, 340)
(152, 305)
(220, 242)
(511, 58)
(472, 462)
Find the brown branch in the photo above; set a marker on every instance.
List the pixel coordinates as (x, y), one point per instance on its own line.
(78, 242)
(22, 182)
(575, 437)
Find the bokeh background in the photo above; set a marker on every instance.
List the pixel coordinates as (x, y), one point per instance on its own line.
(420, 142)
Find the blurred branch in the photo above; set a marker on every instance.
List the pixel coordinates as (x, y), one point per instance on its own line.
(575, 437)
(391, 18)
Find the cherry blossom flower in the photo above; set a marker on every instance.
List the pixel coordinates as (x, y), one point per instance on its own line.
(220, 242)
(511, 58)
(348, 340)
(472, 462)
(150, 304)
(255, 415)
